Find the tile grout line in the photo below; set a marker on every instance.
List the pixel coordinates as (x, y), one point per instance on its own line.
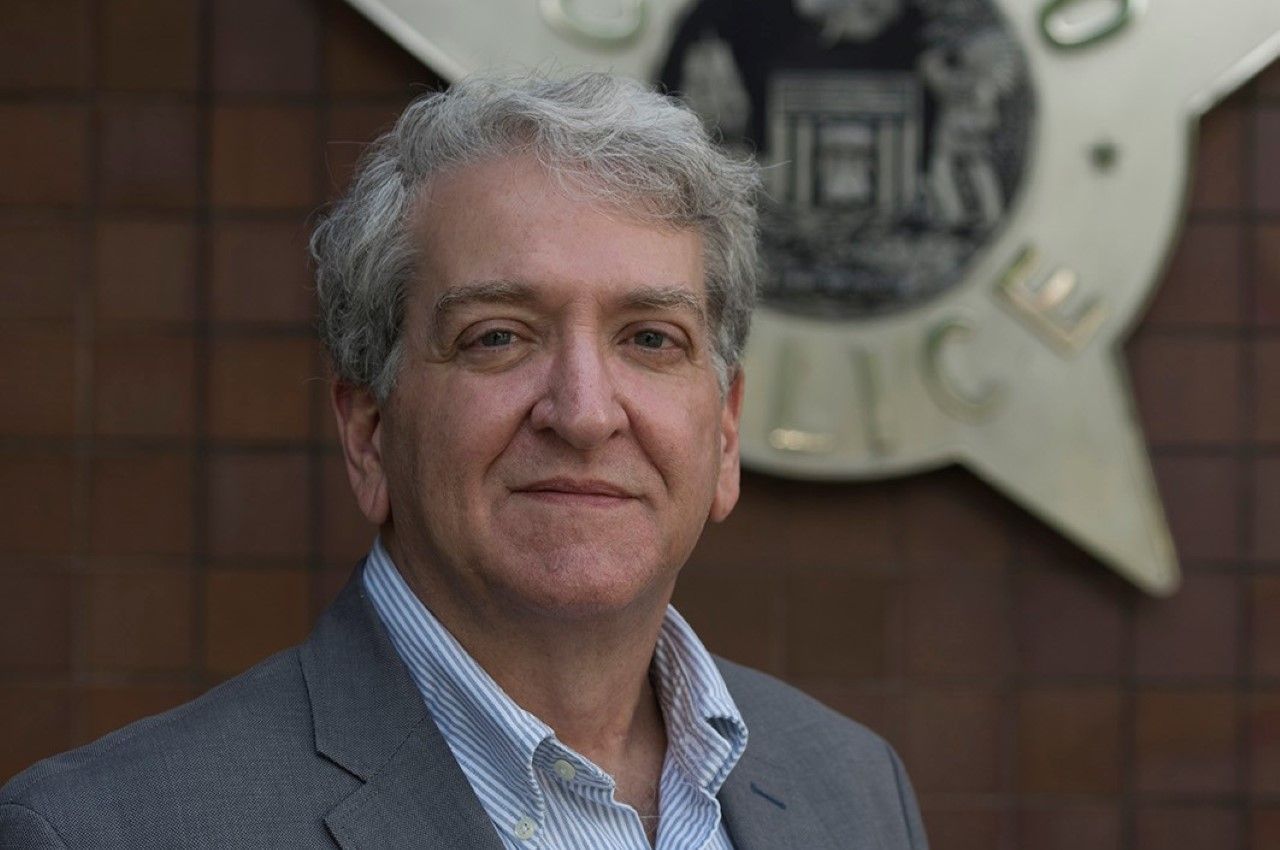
(1246, 465)
(198, 678)
(84, 334)
(316, 456)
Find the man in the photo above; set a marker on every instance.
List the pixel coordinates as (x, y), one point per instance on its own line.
(535, 297)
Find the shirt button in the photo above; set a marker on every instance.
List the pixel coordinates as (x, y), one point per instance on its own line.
(525, 828)
(564, 770)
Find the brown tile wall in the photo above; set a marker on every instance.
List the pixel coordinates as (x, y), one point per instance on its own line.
(172, 508)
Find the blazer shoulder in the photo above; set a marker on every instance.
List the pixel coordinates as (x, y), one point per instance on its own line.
(243, 734)
(851, 772)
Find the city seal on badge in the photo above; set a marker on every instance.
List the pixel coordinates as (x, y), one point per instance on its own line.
(896, 136)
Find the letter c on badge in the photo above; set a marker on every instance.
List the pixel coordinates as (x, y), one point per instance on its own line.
(1073, 24)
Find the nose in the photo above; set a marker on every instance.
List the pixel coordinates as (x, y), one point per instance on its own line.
(580, 402)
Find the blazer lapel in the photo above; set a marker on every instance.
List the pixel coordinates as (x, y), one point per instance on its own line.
(763, 811)
(370, 720)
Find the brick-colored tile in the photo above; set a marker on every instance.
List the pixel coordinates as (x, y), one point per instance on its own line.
(738, 616)
(955, 826)
(751, 536)
(843, 632)
(1097, 826)
(360, 60)
(46, 44)
(266, 46)
(258, 506)
(148, 155)
(1264, 742)
(1187, 388)
(1266, 170)
(1267, 82)
(957, 628)
(1068, 625)
(258, 389)
(1040, 547)
(35, 622)
(1200, 496)
(1264, 827)
(1266, 391)
(1264, 243)
(1202, 284)
(144, 385)
(38, 380)
(351, 128)
(1186, 828)
(1266, 507)
(36, 720)
(1264, 620)
(847, 526)
(325, 431)
(1069, 741)
(954, 741)
(149, 45)
(1218, 178)
(140, 622)
(261, 273)
(264, 157)
(950, 520)
(41, 265)
(345, 534)
(1193, 634)
(145, 270)
(141, 504)
(44, 154)
(251, 614)
(1185, 742)
(867, 703)
(105, 708)
(37, 491)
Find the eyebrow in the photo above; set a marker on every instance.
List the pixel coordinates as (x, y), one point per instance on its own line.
(665, 298)
(482, 292)
(514, 292)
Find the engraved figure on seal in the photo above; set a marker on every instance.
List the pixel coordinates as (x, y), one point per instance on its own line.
(896, 133)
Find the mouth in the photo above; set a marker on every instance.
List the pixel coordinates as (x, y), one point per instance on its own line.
(579, 492)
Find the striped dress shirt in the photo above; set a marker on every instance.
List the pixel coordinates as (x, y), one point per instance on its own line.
(538, 792)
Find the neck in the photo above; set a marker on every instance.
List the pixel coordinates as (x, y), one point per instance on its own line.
(586, 678)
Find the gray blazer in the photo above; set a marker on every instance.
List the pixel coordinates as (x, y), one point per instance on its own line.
(329, 743)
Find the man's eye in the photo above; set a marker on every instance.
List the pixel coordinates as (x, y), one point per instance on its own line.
(496, 338)
(650, 339)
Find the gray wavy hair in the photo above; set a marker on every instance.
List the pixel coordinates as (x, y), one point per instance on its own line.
(609, 138)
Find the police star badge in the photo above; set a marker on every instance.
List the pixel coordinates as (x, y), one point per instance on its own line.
(970, 201)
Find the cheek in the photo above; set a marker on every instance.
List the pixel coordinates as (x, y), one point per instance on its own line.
(680, 434)
(474, 422)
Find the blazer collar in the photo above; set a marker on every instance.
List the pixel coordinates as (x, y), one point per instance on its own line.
(370, 720)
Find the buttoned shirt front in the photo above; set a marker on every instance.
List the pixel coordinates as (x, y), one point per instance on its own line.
(537, 791)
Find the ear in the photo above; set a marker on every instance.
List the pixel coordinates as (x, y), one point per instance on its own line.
(730, 469)
(360, 431)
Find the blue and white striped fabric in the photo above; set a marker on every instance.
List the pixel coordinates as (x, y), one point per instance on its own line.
(539, 792)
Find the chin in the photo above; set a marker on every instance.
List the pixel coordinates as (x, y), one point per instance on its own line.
(577, 582)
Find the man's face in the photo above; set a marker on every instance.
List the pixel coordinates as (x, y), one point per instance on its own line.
(557, 437)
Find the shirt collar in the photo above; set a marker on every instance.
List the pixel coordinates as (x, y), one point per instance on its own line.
(482, 725)
(705, 731)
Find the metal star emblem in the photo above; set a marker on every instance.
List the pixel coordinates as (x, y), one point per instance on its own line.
(1015, 371)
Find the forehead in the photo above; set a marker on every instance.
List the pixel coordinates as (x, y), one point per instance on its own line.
(509, 219)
